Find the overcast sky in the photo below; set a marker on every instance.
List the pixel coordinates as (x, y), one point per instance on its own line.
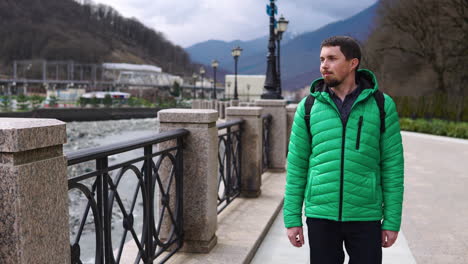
(186, 22)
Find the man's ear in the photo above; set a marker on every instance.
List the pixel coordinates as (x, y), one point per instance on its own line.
(354, 63)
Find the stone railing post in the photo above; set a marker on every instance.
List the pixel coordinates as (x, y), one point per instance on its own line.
(33, 192)
(277, 109)
(234, 102)
(252, 140)
(291, 111)
(200, 170)
(223, 106)
(194, 104)
(218, 108)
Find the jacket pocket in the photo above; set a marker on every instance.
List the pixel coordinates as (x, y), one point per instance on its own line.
(374, 188)
(358, 138)
(308, 191)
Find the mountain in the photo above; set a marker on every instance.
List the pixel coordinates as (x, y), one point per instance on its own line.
(299, 56)
(205, 52)
(87, 33)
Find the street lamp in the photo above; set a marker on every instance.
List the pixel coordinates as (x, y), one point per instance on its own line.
(202, 74)
(236, 52)
(271, 81)
(195, 77)
(215, 65)
(282, 26)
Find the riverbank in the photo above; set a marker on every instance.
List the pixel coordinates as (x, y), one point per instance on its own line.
(87, 114)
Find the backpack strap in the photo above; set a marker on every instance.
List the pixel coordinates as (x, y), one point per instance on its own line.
(380, 100)
(308, 106)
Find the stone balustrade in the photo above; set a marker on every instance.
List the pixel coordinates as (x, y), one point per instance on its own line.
(33, 176)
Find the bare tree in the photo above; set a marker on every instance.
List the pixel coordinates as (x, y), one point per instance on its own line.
(430, 33)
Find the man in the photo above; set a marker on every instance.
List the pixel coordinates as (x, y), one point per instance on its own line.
(345, 163)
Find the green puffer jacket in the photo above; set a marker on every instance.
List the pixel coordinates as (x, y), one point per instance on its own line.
(350, 171)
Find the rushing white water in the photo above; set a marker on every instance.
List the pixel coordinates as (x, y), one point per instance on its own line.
(82, 135)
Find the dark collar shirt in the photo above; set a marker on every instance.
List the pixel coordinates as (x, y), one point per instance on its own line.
(345, 106)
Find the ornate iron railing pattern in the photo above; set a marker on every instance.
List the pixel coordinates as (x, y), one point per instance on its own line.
(266, 141)
(100, 187)
(229, 158)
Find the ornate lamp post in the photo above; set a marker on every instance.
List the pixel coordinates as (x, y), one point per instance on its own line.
(195, 77)
(202, 74)
(271, 81)
(236, 52)
(215, 65)
(281, 28)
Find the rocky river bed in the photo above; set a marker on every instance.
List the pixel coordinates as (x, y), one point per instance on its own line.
(84, 135)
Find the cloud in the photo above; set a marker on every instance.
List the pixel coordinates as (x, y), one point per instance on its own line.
(188, 22)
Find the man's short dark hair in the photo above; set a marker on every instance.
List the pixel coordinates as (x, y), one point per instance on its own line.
(348, 46)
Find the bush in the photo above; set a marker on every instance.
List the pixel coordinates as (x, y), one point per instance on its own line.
(6, 103)
(83, 101)
(94, 101)
(133, 101)
(53, 101)
(36, 101)
(437, 105)
(167, 102)
(464, 114)
(107, 100)
(436, 127)
(175, 90)
(22, 102)
(146, 103)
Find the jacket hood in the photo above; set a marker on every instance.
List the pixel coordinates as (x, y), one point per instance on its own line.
(365, 78)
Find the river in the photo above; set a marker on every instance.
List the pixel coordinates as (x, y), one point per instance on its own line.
(82, 135)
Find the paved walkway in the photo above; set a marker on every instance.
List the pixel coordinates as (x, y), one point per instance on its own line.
(241, 227)
(435, 214)
(276, 249)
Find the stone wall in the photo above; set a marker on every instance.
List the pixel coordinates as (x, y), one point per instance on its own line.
(85, 114)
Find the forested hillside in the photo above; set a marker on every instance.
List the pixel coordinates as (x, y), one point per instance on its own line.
(67, 30)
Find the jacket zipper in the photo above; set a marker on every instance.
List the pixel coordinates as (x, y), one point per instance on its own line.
(358, 140)
(344, 123)
(342, 169)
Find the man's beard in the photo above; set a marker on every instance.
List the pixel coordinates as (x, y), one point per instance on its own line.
(332, 82)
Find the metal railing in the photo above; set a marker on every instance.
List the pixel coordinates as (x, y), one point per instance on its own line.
(266, 141)
(155, 233)
(229, 158)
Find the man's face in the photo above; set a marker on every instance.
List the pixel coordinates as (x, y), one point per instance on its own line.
(334, 67)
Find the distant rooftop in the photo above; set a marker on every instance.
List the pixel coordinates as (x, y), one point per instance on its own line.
(132, 67)
(102, 95)
(246, 76)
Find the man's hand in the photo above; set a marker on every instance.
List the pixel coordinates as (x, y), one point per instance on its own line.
(388, 238)
(296, 236)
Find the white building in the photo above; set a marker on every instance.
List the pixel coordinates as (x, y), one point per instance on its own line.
(249, 87)
(102, 95)
(139, 74)
(68, 96)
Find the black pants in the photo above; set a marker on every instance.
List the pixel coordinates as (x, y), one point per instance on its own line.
(362, 240)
